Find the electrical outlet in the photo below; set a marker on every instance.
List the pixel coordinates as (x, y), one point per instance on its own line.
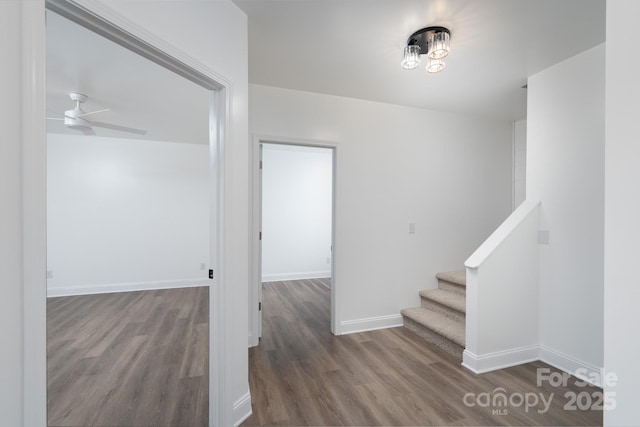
(203, 266)
(49, 274)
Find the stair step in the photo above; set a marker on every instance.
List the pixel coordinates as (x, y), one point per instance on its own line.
(439, 323)
(454, 281)
(441, 317)
(449, 303)
(457, 277)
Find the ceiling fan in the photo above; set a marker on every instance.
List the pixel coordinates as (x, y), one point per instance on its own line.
(76, 118)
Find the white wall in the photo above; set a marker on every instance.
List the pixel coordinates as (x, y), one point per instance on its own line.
(11, 315)
(125, 214)
(519, 162)
(622, 212)
(215, 34)
(448, 174)
(296, 212)
(565, 171)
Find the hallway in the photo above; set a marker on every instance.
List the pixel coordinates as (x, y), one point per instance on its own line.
(302, 375)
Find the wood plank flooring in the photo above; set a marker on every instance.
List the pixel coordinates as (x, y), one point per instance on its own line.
(302, 375)
(129, 359)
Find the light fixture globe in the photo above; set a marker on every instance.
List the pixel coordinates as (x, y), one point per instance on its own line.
(411, 57)
(435, 65)
(438, 44)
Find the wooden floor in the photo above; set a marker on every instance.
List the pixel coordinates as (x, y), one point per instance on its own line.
(302, 375)
(129, 359)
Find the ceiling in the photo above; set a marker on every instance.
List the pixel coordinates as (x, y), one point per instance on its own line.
(348, 48)
(139, 93)
(353, 48)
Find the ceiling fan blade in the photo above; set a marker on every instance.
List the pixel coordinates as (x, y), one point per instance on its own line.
(55, 118)
(94, 112)
(87, 131)
(120, 128)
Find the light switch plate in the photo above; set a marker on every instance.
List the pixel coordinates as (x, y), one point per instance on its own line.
(543, 237)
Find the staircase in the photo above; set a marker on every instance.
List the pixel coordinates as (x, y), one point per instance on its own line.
(440, 319)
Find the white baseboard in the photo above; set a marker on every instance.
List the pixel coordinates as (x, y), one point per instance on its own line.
(124, 287)
(242, 409)
(582, 370)
(505, 359)
(370, 324)
(480, 364)
(295, 276)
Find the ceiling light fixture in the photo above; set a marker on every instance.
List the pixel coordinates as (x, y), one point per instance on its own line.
(430, 41)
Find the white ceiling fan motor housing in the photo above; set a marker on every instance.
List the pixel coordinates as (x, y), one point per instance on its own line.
(71, 117)
(72, 120)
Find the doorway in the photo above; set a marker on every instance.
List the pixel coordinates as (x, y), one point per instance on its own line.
(294, 219)
(217, 106)
(127, 236)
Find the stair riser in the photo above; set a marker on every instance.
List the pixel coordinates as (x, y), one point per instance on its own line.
(455, 315)
(436, 339)
(452, 287)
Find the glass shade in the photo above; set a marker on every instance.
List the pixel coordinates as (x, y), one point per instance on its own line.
(411, 57)
(438, 45)
(435, 65)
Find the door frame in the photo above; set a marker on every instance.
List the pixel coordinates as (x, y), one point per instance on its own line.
(102, 20)
(255, 290)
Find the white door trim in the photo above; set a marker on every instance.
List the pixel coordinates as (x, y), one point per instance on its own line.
(256, 225)
(34, 219)
(255, 275)
(104, 21)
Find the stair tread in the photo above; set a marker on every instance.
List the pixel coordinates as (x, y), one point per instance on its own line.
(449, 299)
(438, 323)
(457, 277)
